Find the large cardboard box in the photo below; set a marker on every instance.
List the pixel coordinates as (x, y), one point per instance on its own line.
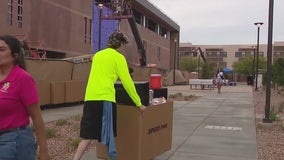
(57, 89)
(44, 92)
(142, 137)
(75, 90)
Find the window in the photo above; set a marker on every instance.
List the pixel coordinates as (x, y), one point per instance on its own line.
(151, 25)
(163, 32)
(85, 29)
(159, 53)
(10, 13)
(20, 2)
(223, 54)
(137, 16)
(238, 54)
(20, 13)
(20, 22)
(90, 31)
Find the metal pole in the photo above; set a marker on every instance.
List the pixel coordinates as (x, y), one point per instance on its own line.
(269, 61)
(253, 64)
(174, 73)
(198, 65)
(258, 24)
(257, 55)
(100, 25)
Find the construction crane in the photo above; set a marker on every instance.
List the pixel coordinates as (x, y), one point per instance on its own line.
(122, 9)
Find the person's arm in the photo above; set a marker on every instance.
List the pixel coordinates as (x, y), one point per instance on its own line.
(127, 82)
(35, 114)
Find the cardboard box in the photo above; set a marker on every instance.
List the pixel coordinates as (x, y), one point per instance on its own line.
(75, 90)
(142, 138)
(57, 95)
(44, 92)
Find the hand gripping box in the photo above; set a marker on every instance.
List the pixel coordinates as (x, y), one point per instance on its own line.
(142, 137)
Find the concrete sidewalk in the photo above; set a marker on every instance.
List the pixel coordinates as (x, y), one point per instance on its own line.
(212, 127)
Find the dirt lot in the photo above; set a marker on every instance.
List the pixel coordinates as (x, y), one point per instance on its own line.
(63, 134)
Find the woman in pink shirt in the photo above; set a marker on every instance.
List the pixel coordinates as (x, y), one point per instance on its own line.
(18, 102)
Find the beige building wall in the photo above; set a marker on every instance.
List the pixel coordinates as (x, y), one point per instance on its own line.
(229, 49)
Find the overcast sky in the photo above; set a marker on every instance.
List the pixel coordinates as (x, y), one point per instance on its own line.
(223, 21)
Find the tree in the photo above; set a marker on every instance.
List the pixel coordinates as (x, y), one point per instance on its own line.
(245, 66)
(188, 64)
(278, 72)
(207, 71)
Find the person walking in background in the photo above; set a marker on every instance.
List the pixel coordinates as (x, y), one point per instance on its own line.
(19, 101)
(219, 79)
(99, 113)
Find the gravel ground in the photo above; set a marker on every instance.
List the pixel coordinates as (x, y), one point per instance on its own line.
(270, 137)
(64, 134)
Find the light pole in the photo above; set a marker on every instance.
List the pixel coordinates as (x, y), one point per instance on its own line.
(198, 65)
(269, 61)
(253, 63)
(100, 5)
(258, 24)
(174, 73)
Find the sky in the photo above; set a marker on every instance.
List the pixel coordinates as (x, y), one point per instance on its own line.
(223, 21)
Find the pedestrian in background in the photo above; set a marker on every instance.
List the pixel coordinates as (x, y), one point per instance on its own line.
(219, 79)
(19, 101)
(99, 113)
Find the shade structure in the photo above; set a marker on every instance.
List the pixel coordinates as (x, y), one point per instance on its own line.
(228, 70)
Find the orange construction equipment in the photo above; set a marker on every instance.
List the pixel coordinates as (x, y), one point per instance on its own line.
(32, 49)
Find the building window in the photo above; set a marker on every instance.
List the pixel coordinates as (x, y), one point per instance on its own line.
(20, 22)
(20, 13)
(85, 29)
(223, 54)
(90, 31)
(10, 13)
(152, 25)
(137, 16)
(163, 32)
(238, 54)
(159, 53)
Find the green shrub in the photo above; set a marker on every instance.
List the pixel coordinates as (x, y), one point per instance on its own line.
(175, 95)
(273, 115)
(61, 122)
(78, 117)
(74, 142)
(50, 133)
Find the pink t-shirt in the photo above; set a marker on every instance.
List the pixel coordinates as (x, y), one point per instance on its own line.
(17, 92)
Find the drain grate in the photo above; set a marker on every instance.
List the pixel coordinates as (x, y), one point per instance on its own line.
(224, 128)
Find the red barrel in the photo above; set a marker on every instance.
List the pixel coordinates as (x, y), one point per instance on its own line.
(155, 81)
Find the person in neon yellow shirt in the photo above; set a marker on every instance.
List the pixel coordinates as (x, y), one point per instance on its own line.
(107, 66)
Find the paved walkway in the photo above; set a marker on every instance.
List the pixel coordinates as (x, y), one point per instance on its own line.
(212, 127)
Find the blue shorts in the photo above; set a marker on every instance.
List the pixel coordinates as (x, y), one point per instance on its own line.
(18, 145)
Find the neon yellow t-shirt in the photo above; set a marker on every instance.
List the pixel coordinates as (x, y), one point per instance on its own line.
(108, 65)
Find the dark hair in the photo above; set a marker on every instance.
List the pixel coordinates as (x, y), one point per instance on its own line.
(16, 50)
(116, 39)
